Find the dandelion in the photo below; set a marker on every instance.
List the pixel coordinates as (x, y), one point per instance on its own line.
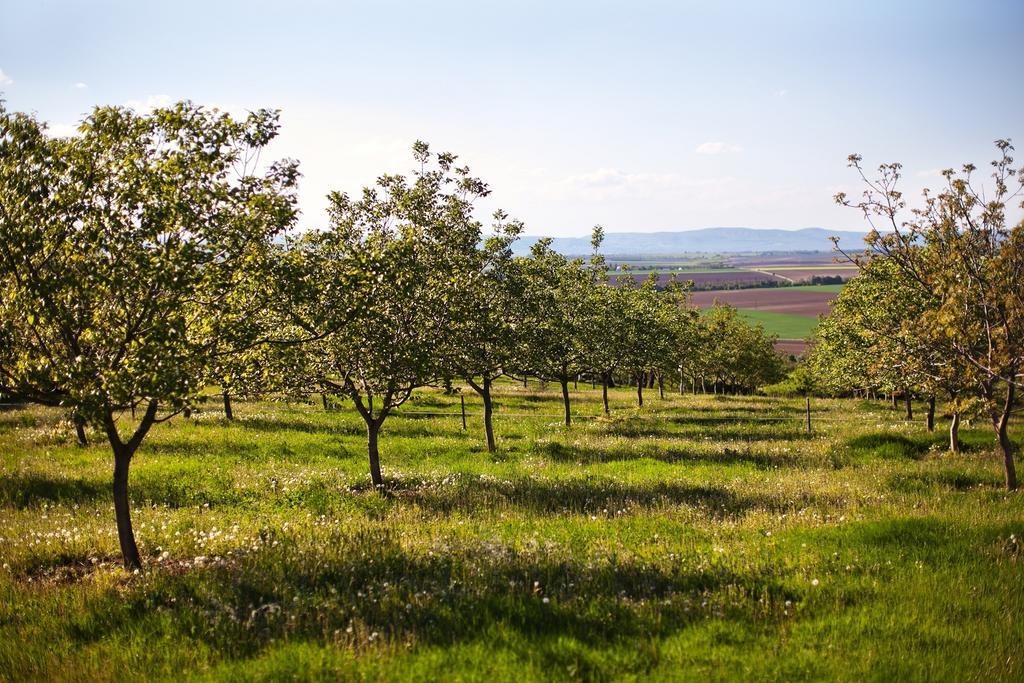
(814, 582)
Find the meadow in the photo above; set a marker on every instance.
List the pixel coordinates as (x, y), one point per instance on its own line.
(700, 536)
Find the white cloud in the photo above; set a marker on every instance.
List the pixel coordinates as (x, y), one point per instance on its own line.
(718, 148)
(781, 93)
(152, 102)
(62, 130)
(930, 173)
(5, 79)
(81, 86)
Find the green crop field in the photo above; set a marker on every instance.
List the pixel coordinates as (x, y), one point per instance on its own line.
(701, 537)
(785, 325)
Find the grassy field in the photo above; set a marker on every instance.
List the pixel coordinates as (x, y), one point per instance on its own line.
(785, 325)
(701, 537)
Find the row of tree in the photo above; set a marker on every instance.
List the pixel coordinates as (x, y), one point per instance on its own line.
(152, 256)
(938, 307)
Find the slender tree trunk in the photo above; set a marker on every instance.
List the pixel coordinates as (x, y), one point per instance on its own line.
(525, 377)
(954, 434)
(604, 392)
(227, 407)
(1002, 424)
(372, 431)
(650, 379)
(323, 399)
(931, 414)
(681, 390)
(895, 405)
(641, 379)
(79, 421)
(565, 400)
(123, 452)
(661, 386)
(909, 415)
(488, 409)
(122, 510)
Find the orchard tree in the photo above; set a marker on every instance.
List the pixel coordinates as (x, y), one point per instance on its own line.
(647, 335)
(555, 343)
(119, 252)
(380, 290)
(958, 249)
(483, 332)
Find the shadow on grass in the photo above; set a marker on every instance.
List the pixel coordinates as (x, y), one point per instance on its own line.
(955, 480)
(352, 589)
(25, 491)
(717, 428)
(888, 445)
(560, 452)
(596, 496)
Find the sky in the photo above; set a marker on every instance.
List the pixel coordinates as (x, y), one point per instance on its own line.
(639, 116)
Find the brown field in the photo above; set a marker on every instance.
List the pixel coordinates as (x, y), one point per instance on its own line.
(778, 300)
(805, 274)
(712, 278)
(791, 347)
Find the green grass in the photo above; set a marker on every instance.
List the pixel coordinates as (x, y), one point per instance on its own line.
(785, 325)
(698, 538)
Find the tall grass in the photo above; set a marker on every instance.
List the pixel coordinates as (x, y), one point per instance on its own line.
(698, 537)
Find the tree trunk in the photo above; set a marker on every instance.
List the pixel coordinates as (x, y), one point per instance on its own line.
(954, 434)
(488, 425)
(908, 405)
(323, 399)
(641, 379)
(372, 430)
(227, 407)
(894, 402)
(565, 400)
(604, 392)
(123, 452)
(650, 379)
(79, 421)
(661, 386)
(681, 390)
(122, 510)
(1002, 424)
(931, 413)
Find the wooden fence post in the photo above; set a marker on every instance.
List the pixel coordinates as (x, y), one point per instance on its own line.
(808, 414)
(462, 400)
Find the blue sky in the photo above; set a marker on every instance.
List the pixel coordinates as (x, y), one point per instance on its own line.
(639, 116)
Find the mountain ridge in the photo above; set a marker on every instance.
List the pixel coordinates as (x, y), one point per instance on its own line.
(718, 240)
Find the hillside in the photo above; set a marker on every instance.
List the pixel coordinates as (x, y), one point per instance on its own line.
(704, 240)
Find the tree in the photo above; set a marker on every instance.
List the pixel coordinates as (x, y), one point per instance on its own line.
(484, 332)
(119, 253)
(554, 344)
(957, 249)
(380, 290)
(645, 322)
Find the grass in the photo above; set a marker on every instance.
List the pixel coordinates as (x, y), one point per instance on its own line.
(700, 537)
(785, 325)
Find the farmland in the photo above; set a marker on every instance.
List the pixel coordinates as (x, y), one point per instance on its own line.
(801, 301)
(699, 537)
(788, 312)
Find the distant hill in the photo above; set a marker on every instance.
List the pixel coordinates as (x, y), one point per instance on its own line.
(704, 240)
